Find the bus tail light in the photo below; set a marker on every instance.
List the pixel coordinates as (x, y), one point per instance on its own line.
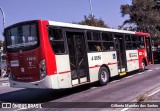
(42, 69)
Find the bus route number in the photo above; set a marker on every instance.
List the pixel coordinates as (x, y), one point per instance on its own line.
(96, 57)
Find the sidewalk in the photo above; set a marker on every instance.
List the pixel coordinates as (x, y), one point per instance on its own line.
(3, 79)
(154, 98)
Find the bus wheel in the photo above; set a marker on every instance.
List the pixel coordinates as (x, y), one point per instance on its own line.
(103, 76)
(143, 66)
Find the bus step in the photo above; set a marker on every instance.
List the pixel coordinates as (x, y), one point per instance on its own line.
(122, 73)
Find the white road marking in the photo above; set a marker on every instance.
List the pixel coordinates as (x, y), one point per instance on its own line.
(149, 70)
(140, 73)
(125, 109)
(157, 68)
(114, 81)
(20, 109)
(93, 87)
(129, 77)
(154, 92)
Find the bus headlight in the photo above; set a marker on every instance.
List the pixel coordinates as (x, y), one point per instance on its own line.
(42, 69)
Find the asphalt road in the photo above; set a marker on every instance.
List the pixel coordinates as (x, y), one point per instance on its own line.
(123, 89)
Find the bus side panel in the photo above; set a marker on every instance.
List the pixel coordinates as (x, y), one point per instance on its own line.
(94, 62)
(49, 54)
(132, 60)
(110, 59)
(63, 71)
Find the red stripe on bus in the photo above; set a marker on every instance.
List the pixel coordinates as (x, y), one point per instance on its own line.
(112, 63)
(64, 72)
(95, 66)
(101, 65)
(131, 60)
(142, 34)
(89, 67)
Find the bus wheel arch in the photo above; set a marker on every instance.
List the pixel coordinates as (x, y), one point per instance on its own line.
(103, 75)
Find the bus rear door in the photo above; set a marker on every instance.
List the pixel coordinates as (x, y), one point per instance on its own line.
(78, 57)
(149, 50)
(121, 53)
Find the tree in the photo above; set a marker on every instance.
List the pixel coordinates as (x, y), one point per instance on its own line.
(144, 15)
(1, 43)
(92, 21)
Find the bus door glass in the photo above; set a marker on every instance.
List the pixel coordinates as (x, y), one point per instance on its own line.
(121, 53)
(149, 49)
(78, 56)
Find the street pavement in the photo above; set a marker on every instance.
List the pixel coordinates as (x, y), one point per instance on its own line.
(124, 89)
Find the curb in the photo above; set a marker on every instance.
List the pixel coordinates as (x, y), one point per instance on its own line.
(3, 79)
(149, 93)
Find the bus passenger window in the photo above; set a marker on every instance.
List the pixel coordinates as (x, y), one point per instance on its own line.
(94, 46)
(129, 46)
(135, 45)
(141, 42)
(108, 46)
(96, 36)
(56, 40)
(98, 48)
(141, 45)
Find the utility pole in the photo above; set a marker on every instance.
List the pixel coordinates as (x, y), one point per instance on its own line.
(2, 34)
(3, 18)
(90, 2)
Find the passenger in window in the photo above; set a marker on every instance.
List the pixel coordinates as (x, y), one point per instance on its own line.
(98, 48)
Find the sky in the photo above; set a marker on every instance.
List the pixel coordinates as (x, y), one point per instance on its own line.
(61, 11)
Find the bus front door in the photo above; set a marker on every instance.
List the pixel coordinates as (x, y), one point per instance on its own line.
(78, 57)
(121, 54)
(149, 50)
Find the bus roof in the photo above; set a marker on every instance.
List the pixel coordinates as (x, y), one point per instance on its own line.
(70, 25)
(78, 26)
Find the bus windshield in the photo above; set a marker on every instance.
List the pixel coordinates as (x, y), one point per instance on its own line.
(21, 36)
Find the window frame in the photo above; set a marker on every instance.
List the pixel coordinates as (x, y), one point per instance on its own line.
(23, 48)
(63, 40)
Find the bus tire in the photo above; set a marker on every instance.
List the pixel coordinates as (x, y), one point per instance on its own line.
(103, 76)
(143, 66)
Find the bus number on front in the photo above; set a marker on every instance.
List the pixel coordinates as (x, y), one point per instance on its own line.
(96, 57)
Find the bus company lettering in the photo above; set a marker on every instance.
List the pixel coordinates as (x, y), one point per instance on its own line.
(31, 61)
(31, 58)
(98, 57)
(133, 54)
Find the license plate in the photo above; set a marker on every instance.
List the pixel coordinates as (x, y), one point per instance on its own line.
(14, 63)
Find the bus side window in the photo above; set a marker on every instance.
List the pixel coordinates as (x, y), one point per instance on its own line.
(56, 40)
(94, 46)
(128, 40)
(107, 41)
(94, 41)
(141, 42)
